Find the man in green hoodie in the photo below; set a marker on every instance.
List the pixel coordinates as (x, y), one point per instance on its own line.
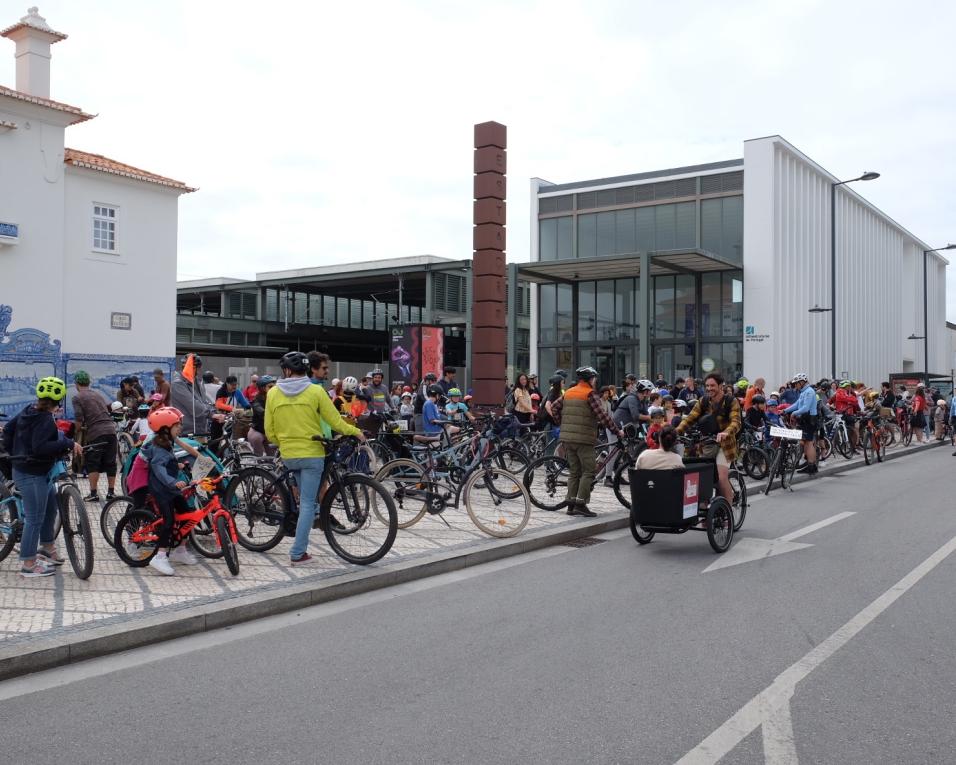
(295, 411)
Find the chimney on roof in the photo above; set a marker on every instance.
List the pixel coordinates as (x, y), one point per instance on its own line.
(33, 37)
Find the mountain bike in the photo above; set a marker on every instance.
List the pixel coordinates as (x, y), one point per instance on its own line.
(137, 533)
(872, 437)
(356, 513)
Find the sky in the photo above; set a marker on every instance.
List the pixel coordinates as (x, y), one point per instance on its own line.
(329, 133)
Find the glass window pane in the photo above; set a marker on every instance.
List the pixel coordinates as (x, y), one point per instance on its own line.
(686, 302)
(662, 324)
(732, 226)
(564, 238)
(342, 313)
(624, 236)
(686, 235)
(546, 313)
(547, 363)
(586, 313)
(564, 326)
(732, 300)
(301, 308)
(710, 323)
(710, 225)
(328, 310)
(587, 236)
(626, 327)
(548, 239)
(727, 358)
(665, 219)
(644, 227)
(606, 328)
(272, 305)
(673, 361)
(605, 233)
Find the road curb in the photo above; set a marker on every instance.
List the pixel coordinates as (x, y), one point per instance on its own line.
(47, 653)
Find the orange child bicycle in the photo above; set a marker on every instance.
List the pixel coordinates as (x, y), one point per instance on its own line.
(211, 528)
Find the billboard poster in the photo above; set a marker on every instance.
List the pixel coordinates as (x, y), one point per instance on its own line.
(403, 359)
(433, 349)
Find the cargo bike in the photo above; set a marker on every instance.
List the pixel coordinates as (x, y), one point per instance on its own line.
(680, 500)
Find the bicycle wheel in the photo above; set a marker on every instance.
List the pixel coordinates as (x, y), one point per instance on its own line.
(824, 448)
(110, 515)
(739, 504)
(720, 525)
(229, 551)
(756, 463)
(77, 532)
(788, 465)
(405, 483)
(9, 520)
(203, 538)
(879, 446)
(907, 434)
(124, 445)
(258, 503)
(496, 501)
(546, 481)
(774, 468)
(952, 435)
(866, 443)
(361, 538)
(641, 536)
(841, 442)
(622, 482)
(512, 460)
(136, 536)
(382, 453)
(363, 460)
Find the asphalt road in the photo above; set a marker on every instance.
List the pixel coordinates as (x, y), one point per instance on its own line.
(840, 651)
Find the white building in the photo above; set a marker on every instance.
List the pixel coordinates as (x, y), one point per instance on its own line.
(717, 267)
(87, 244)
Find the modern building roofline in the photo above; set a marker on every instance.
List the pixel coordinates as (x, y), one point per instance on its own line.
(635, 177)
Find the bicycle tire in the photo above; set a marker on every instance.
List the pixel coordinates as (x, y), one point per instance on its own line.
(720, 525)
(259, 504)
(203, 539)
(399, 477)
(907, 435)
(622, 482)
(77, 532)
(512, 460)
(879, 446)
(9, 520)
(362, 525)
(841, 442)
(136, 554)
(546, 482)
(229, 552)
(789, 467)
(124, 445)
(756, 462)
(493, 508)
(382, 453)
(740, 502)
(824, 448)
(110, 515)
(640, 536)
(866, 445)
(774, 469)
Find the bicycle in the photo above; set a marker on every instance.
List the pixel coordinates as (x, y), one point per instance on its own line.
(787, 454)
(263, 503)
(137, 533)
(695, 441)
(872, 439)
(72, 520)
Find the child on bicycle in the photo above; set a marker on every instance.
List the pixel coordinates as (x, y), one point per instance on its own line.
(166, 486)
(657, 425)
(756, 416)
(140, 430)
(456, 409)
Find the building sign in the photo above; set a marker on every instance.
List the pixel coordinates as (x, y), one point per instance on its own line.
(9, 232)
(707, 365)
(752, 336)
(121, 320)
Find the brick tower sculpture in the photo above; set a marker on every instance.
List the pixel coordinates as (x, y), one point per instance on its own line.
(488, 311)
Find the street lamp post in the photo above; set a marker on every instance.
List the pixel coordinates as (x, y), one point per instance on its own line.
(925, 337)
(867, 176)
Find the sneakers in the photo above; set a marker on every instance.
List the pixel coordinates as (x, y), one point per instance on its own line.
(110, 494)
(52, 558)
(39, 568)
(184, 555)
(161, 563)
(92, 497)
(305, 560)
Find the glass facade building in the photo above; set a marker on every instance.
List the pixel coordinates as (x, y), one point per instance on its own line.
(683, 314)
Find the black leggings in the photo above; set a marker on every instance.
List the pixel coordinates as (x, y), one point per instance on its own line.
(168, 508)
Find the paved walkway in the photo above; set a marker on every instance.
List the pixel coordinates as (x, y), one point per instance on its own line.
(62, 605)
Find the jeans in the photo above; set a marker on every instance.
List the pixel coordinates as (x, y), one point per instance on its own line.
(39, 511)
(308, 475)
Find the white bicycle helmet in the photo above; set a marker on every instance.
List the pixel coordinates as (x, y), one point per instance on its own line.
(645, 385)
(116, 406)
(350, 384)
(799, 377)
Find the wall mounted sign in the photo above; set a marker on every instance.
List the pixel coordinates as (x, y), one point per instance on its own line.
(121, 320)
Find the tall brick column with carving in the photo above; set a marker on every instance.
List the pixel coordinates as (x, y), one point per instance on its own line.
(488, 310)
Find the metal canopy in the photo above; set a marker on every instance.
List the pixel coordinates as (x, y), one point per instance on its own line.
(663, 263)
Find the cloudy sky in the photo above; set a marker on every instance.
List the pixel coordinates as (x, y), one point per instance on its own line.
(325, 133)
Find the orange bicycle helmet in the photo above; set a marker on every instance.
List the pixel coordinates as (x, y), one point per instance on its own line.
(164, 417)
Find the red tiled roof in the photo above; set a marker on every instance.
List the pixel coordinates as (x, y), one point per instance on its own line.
(76, 111)
(107, 165)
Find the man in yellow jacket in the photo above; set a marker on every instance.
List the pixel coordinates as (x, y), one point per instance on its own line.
(295, 411)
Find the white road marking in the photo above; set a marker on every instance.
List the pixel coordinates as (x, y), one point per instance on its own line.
(763, 706)
(72, 673)
(778, 744)
(814, 526)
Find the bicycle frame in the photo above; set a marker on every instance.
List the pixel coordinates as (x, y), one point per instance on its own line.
(185, 522)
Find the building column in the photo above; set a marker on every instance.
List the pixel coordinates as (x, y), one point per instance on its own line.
(511, 362)
(644, 309)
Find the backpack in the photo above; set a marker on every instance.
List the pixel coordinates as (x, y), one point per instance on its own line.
(708, 421)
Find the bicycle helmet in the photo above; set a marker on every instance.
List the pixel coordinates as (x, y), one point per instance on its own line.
(142, 409)
(164, 417)
(758, 399)
(799, 377)
(743, 382)
(295, 361)
(430, 377)
(656, 411)
(585, 373)
(645, 385)
(630, 377)
(453, 392)
(436, 390)
(52, 388)
(562, 373)
(940, 402)
(535, 397)
(405, 395)
(679, 403)
(406, 389)
(265, 380)
(81, 377)
(555, 379)
(116, 406)
(349, 384)
(378, 372)
(197, 359)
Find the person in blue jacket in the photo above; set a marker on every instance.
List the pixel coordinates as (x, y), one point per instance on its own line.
(805, 410)
(35, 444)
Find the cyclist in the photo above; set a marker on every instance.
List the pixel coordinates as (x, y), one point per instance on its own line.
(632, 407)
(717, 415)
(188, 396)
(756, 416)
(805, 409)
(918, 420)
(456, 409)
(165, 486)
(845, 402)
(257, 430)
(34, 444)
(578, 414)
(94, 421)
(140, 431)
(295, 411)
(658, 417)
(421, 397)
(757, 389)
(378, 393)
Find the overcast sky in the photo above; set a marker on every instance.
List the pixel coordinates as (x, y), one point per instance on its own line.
(325, 133)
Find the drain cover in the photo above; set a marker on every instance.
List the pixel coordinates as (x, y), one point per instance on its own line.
(584, 542)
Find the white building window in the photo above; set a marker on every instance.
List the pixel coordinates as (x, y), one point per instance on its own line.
(104, 228)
